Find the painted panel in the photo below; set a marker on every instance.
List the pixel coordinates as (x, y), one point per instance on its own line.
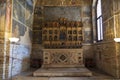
(71, 13)
(18, 11)
(18, 29)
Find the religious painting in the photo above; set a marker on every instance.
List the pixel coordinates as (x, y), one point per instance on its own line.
(56, 32)
(22, 2)
(70, 32)
(80, 38)
(50, 31)
(18, 11)
(62, 35)
(70, 38)
(87, 11)
(55, 38)
(45, 38)
(87, 36)
(75, 38)
(87, 22)
(45, 32)
(29, 5)
(71, 13)
(74, 31)
(29, 13)
(80, 31)
(18, 29)
(50, 38)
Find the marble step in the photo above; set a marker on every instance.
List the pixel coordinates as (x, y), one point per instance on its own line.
(65, 72)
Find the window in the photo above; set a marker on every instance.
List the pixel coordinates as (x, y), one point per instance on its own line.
(99, 22)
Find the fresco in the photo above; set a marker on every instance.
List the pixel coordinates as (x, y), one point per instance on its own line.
(87, 37)
(29, 5)
(18, 29)
(23, 18)
(87, 29)
(29, 13)
(2, 20)
(18, 11)
(71, 13)
(87, 11)
(21, 28)
(22, 2)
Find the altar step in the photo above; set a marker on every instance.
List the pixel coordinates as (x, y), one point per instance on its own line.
(63, 72)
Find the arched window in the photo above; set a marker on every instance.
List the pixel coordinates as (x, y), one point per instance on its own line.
(99, 22)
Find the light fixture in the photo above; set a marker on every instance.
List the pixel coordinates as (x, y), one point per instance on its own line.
(14, 39)
(117, 39)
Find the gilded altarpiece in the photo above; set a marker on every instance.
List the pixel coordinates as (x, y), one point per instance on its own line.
(59, 31)
(62, 40)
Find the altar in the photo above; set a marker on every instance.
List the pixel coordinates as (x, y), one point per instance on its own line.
(62, 52)
(62, 58)
(62, 62)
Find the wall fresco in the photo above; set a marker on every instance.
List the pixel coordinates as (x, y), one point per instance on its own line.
(18, 29)
(71, 13)
(21, 28)
(20, 62)
(18, 11)
(2, 21)
(29, 13)
(87, 11)
(19, 59)
(2, 34)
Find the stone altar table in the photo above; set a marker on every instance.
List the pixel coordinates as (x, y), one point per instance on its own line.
(62, 62)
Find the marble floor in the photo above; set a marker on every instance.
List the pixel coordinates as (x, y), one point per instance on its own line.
(97, 75)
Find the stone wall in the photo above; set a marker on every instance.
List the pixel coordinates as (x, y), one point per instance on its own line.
(22, 21)
(118, 56)
(106, 57)
(15, 58)
(116, 9)
(2, 33)
(107, 51)
(82, 10)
